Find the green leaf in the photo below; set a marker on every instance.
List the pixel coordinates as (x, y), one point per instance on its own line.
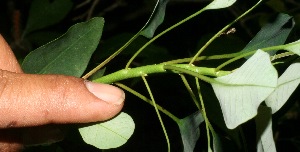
(217, 146)
(44, 13)
(241, 92)
(97, 74)
(69, 54)
(264, 131)
(156, 18)
(158, 14)
(189, 130)
(109, 134)
(272, 34)
(287, 84)
(217, 4)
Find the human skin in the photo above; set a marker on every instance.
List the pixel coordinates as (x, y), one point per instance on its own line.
(34, 108)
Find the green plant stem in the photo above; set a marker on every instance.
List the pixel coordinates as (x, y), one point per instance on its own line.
(234, 59)
(201, 70)
(152, 69)
(212, 130)
(110, 57)
(157, 112)
(207, 123)
(202, 110)
(166, 112)
(213, 57)
(192, 73)
(131, 73)
(242, 55)
(188, 87)
(160, 34)
(220, 32)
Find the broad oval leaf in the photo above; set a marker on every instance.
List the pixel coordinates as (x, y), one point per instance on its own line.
(69, 54)
(189, 130)
(217, 4)
(110, 134)
(287, 84)
(264, 131)
(156, 18)
(241, 92)
(44, 13)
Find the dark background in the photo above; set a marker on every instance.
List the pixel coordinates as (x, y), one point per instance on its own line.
(123, 18)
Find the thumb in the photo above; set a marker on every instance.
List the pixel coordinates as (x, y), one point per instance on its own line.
(31, 100)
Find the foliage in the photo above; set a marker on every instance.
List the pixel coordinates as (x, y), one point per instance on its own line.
(118, 130)
(240, 84)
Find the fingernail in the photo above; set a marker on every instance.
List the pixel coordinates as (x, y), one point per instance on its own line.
(108, 93)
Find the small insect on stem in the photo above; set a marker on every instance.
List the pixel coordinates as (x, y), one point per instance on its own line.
(231, 31)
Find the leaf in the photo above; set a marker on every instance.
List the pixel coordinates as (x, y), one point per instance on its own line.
(217, 146)
(69, 54)
(287, 84)
(272, 34)
(241, 92)
(158, 14)
(189, 130)
(217, 4)
(110, 134)
(97, 74)
(44, 13)
(264, 130)
(293, 47)
(156, 18)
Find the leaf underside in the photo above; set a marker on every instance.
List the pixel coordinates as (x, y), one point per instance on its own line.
(287, 84)
(265, 142)
(241, 92)
(109, 134)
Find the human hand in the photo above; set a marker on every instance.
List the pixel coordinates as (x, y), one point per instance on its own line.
(29, 103)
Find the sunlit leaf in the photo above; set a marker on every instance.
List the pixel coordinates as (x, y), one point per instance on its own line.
(287, 84)
(69, 54)
(241, 92)
(264, 131)
(189, 130)
(109, 134)
(44, 13)
(272, 34)
(217, 4)
(156, 18)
